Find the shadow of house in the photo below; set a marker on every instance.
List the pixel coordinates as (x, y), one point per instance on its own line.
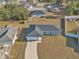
(76, 49)
(21, 35)
(62, 23)
(73, 43)
(50, 17)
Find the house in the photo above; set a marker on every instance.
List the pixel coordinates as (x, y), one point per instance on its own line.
(37, 31)
(8, 35)
(54, 7)
(37, 13)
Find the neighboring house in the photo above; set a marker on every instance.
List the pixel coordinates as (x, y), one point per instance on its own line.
(7, 38)
(37, 13)
(23, 2)
(2, 2)
(53, 7)
(35, 32)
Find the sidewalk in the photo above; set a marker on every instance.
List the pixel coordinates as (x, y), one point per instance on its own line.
(31, 50)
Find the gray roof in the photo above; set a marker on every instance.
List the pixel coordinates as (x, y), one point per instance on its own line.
(36, 31)
(3, 31)
(34, 34)
(7, 35)
(47, 27)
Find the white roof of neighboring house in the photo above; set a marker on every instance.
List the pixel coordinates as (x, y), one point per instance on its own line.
(7, 35)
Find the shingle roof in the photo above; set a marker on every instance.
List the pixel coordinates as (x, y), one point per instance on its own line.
(34, 34)
(37, 32)
(11, 32)
(3, 31)
(47, 27)
(8, 35)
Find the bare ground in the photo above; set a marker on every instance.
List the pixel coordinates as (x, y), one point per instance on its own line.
(18, 50)
(55, 47)
(55, 22)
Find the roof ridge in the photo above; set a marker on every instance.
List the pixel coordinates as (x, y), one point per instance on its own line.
(33, 31)
(4, 32)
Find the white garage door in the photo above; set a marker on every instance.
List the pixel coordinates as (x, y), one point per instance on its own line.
(33, 38)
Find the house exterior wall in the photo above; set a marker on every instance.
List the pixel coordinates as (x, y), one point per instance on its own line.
(33, 38)
(51, 32)
(63, 26)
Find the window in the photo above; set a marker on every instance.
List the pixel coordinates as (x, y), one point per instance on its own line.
(47, 33)
(50, 33)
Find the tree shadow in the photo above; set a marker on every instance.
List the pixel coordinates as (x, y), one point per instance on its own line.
(50, 17)
(23, 33)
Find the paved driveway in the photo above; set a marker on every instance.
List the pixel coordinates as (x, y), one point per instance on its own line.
(31, 50)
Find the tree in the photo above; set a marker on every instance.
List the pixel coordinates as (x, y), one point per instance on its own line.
(58, 2)
(14, 12)
(73, 7)
(52, 1)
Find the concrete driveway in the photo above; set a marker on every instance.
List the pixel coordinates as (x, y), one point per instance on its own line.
(31, 50)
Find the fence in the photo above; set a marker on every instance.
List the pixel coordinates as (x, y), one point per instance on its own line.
(71, 35)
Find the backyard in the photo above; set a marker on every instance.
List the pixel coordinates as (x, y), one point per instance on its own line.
(55, 47)
(43, 21)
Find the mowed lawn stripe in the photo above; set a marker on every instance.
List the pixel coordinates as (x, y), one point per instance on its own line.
(18, 50)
